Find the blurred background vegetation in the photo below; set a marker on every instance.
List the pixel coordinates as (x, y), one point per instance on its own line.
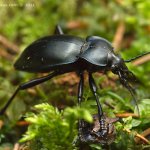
(126, 23)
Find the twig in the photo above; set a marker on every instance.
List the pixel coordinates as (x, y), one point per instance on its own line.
(22, 123)
(144, 133)
(1, 124)
(119, 35)
(76, 24)
(16, 146)
(4, 54)
(141, 60)
(109, 105)
(119, 2)
(125, 115)
(12, 47)
(139, 136)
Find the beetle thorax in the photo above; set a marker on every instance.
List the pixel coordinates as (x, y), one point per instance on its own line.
(116, 63)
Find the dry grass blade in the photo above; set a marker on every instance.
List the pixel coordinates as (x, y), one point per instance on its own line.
(144, 134)
(141, 60)
(139, 136)
(1, 124)
(119, 35)
(125, 115)
(11, 46)
(16, 146)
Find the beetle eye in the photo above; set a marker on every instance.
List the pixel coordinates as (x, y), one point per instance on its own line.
(114, 68)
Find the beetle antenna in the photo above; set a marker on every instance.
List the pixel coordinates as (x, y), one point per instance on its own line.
(130, 89)
(129, 60)
(58, 30)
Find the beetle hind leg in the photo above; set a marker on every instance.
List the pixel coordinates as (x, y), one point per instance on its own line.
(27, 85)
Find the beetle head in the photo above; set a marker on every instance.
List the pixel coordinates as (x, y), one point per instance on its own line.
(119, 67)
(126, 77)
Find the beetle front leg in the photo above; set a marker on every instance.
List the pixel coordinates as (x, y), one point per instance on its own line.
(27, 85)
(102, 119)
(80, 89)
(93, 88)
(80, 97)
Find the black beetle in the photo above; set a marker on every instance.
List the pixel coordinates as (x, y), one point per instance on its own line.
(61, 54)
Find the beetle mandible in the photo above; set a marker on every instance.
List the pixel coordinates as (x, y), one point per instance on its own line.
(62, 53)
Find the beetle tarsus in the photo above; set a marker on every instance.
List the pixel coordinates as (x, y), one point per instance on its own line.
(103, 127)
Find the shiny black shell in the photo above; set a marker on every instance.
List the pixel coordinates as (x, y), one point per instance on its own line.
(64, 52)
(98, 52)
(49, 53)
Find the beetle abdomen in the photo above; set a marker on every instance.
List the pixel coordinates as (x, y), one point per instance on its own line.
(49, 52)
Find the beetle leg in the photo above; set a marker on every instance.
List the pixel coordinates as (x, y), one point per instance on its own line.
(58, 30)
(80, 97)
(102, 118)
(29, 84)
(94, 91)
(80, 89)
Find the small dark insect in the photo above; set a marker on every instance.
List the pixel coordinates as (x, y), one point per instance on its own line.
(62, 53)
